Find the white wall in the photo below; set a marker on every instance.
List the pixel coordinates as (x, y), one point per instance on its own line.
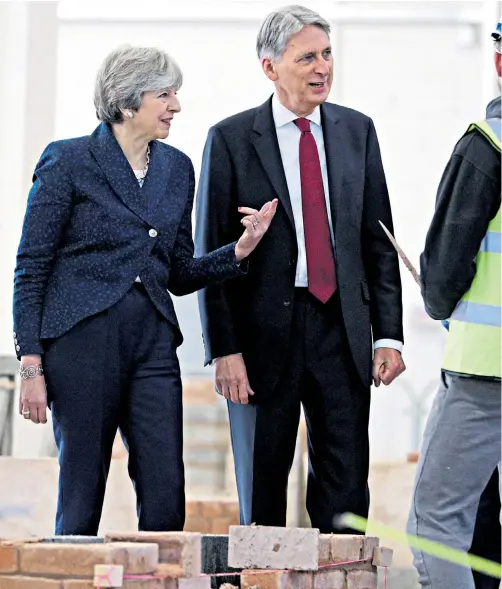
(422, 83)
(421, 96)
(13, 55)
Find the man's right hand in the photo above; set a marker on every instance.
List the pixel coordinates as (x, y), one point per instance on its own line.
(231, 378)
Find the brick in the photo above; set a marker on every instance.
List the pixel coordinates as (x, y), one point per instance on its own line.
(80, 559)
(221, 525)
(330, 579)
(277, 580)
(212, 509)
(261, 579)
(382, 557)
(325, 549)
(362, 580)
(370, 543)
(28, 583)
(78, 584)
(193, 509)
(21, 541)
(9, 559)
(231, 509)
(171, 571)
(203, 582)
(262, 547)
(198, 524)
(346, 548)
(181, 548)
(150, 584)
(108, 575)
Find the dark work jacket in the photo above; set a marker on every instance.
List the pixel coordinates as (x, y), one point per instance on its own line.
(467, 200)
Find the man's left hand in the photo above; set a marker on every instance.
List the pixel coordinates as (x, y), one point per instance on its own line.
(387, 365)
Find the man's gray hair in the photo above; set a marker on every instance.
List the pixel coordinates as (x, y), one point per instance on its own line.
(280, 25)
(126, 74)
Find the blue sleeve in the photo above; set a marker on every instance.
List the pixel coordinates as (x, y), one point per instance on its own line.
(189, 274)
(48, 211)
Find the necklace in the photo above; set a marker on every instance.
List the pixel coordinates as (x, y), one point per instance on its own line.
(140, 175)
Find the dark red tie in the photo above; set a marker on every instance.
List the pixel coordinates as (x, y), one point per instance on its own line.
(320, 259)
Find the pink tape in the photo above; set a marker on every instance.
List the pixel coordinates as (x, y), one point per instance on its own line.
(246, 572)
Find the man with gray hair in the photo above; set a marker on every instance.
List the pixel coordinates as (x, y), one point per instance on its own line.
(297, 329)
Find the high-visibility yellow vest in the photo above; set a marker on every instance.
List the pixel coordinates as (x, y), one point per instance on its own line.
(474, 336)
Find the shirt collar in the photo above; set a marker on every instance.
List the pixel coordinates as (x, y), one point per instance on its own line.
(283, 116)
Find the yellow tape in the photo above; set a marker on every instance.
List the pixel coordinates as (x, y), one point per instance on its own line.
(476, 563)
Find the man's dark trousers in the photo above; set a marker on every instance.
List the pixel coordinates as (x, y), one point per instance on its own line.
(319, 374)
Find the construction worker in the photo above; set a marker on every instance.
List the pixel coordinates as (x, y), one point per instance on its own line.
(461, 283)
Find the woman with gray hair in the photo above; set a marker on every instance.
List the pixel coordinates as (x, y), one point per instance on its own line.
(107, 233)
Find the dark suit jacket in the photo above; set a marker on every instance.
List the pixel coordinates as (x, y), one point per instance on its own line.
(90, 230)
(242, 166)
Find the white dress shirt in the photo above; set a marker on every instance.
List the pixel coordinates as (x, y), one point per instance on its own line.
(288, 137)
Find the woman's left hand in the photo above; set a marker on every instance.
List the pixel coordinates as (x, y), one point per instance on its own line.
(256, 224)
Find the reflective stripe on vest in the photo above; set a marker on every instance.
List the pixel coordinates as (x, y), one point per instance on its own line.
(490, 129)
(477, 313)
(473, 344)
(492, 243)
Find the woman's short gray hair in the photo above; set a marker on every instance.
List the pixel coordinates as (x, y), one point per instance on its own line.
(126, 74)
(280, 25)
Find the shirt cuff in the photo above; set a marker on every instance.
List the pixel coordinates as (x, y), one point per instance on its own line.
(389, 343)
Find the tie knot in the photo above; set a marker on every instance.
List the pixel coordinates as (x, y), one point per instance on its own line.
(303, 125)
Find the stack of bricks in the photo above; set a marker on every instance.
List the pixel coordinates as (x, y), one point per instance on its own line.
(134, 561)
(268, 558)
(301, 558)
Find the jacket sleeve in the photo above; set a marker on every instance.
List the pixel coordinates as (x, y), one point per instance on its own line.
(47, 214)
(467, 200)
(380, 259)
(214, 211)
(189, 274)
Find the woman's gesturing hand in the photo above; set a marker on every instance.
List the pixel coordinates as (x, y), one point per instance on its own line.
(256, 224)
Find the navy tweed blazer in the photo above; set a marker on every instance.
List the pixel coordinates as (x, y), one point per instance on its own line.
(90, 230)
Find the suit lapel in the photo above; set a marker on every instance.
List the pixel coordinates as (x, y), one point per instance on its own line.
(118, 172)
(333, 146)
(264, 138)
(157, 181)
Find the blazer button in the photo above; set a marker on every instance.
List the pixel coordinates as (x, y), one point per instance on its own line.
(17, 348)
(287, 302)
(152, 233)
